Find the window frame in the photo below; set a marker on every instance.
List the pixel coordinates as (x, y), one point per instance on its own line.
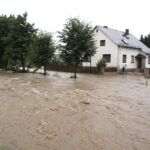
(132, 58)
(124, 60)
(107, 61)
(148, 59)
(102, 42)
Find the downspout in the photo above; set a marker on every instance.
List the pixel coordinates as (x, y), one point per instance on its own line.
(90, 63)
(118, 69)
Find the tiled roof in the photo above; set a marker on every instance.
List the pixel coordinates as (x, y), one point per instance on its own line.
(124, 41)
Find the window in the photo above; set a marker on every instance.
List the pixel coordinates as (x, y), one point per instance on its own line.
(102, 42)
(124, 59)
(107, 57)
(132, 59)
(124, 41)
(96, 30)
(148, 59)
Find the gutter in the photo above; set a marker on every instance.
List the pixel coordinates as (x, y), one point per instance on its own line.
(129, 47)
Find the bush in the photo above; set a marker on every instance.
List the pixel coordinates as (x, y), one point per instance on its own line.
(101, 64)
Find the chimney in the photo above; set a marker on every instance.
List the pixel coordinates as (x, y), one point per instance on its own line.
(126, 32)
(106, 27)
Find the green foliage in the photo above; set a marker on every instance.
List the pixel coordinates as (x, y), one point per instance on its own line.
(146, 40)
(5, 23)
(15, 39)
(21, 36)
(101, 64)
(42, 50)
(78, 42)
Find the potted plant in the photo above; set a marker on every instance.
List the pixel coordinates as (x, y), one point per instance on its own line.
(101, 64)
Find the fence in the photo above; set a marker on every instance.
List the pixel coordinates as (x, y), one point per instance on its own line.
(68, 68)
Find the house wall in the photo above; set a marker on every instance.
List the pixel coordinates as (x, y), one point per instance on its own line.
(146, 62)
(109, 48)
(116, 54)
(129, 52)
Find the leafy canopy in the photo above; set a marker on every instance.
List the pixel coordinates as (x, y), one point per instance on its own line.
(146, 40)
(42, 50)
(16, 37)
(77, 40)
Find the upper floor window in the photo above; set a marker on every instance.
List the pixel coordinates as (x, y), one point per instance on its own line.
(107, 57)
(102, 42)
(132, 59)
(148, 59)
(124, 58)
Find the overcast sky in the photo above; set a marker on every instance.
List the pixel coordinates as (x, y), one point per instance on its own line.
(50, 15)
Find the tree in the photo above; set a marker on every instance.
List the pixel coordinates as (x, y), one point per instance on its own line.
(4, 32)
(42, 50)
(145, 40)
(78, 42)
(19, 39)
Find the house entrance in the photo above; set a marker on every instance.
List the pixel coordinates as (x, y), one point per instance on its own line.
(140, 62)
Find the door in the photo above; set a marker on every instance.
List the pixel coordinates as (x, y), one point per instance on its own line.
(139, 63)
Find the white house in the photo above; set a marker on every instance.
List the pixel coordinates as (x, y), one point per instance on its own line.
(119, 48)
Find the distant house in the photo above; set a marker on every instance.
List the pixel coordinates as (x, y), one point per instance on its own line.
(119, 48)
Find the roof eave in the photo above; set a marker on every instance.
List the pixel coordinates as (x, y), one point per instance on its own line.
(127, 46)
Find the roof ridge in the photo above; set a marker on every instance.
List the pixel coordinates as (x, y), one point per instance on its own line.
(111, 29)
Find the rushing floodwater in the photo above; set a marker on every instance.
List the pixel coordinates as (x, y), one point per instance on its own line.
(92, 112)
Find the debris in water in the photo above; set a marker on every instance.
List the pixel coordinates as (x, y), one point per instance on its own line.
(51, 136)
(73, 98)
(53, 109)
(41, 127)
(12, 89)
(86, 101)
(26, 94)
(42, 130)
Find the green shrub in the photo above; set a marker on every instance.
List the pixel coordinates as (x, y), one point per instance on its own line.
(101, 64)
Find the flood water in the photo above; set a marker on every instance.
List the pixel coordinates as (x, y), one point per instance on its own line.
(92, 112)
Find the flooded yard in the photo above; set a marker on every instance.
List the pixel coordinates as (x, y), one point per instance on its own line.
(92, 112)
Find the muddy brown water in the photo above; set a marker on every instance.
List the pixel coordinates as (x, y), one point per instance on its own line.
(92, 112)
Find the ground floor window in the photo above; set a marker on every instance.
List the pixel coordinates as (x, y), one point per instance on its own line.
(107, 57)
(148, 59)
(132, 59)
(124, 58)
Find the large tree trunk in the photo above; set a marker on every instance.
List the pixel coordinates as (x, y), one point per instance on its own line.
(23, 63)
(44, 70)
